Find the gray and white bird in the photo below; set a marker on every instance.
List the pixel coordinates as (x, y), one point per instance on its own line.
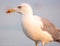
(36, 28)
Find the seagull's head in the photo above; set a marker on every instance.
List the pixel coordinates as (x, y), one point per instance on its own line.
(24, 9)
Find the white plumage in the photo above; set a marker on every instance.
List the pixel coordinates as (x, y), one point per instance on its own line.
(33, 26)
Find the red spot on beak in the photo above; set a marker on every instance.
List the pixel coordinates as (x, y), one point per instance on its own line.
(10, 11)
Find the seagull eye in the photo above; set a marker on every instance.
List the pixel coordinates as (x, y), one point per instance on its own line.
(19, 6)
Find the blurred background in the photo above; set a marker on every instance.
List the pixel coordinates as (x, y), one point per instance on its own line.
(11, 33)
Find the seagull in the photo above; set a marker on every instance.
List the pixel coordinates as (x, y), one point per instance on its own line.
(36, 28)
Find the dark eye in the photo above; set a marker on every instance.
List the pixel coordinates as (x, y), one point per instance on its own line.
(19, 6)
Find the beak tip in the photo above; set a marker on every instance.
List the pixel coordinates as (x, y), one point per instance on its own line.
(8, 11)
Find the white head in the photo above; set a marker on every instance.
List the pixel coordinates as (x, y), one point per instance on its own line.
(24, 9)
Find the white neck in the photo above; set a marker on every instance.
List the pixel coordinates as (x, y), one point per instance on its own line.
(28, 13)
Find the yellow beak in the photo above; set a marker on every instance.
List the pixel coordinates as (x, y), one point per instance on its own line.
(10, 10)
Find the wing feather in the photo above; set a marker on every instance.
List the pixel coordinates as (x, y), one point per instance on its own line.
(50, 28)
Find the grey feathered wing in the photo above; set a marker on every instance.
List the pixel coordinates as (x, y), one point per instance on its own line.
(51, 28)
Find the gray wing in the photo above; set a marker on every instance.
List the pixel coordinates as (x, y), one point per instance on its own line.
(50, 28)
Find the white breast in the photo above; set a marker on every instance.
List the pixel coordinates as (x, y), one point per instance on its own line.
(32, 29)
